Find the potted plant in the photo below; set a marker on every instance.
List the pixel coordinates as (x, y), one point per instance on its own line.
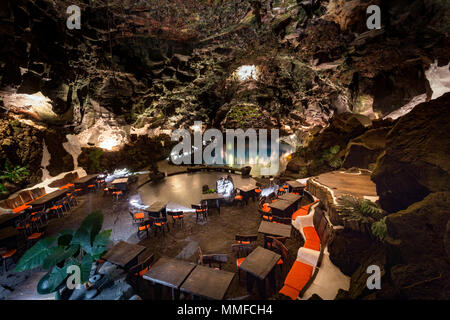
(80, 248)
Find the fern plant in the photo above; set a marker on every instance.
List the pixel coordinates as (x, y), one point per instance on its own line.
(14, 174)
(330, 157)
(356, 207)
(379, 229)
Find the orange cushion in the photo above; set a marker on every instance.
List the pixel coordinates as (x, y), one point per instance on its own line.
(9, 253)
(35, 236)
(266, 209)
(280, 261)
(299, 275)
(91, 186)
(239, 261)
(244, 242)
(313, 245)
(281, 190)
(267, 218)
(21, 208)
(139, 215)
(143, 228)
(238, 197)
(290, 292)
(178, 217)
(258, 190)
(311, 234)
(299, 213)
(143, 272)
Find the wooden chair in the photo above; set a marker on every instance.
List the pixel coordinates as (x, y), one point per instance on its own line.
(145, 260)
(241, 251)
(177, 216)
(238, 198)
(264, 209)
(159, 224)
(200, 211)
(281, 249)
(24, 226)
(246, 239)
(137, 217)
(269, 239)
(143, 226)
(282, 220)
(215, 260)
(7, 255)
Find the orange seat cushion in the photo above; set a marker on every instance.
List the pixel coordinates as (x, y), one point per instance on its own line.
(258, 190)
(178, 217)
(266, 209)
(290, 292)
(299, 275)
(21, 208)
(280, 261)
(143, 228)
(35, 236)
(238, 197)
(239, 261)
(91, 186)
(139, 215)
(311, 234)
(9, 254)
(243, 242)
(143, 272)
(313, 245)
(299, 213)
(267, 218)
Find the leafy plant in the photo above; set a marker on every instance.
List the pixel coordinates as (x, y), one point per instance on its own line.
(80, 248)
(3, 189)
(379, 229)
(331, 157)
(15, 174)
(356, 207)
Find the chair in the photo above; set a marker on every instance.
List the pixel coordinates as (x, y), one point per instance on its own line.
(264, 209)
(215, 260)
(92, 187)
(143, 226)
(177, 216)
(32, 239)
(9, 254)
(159, 223)
(145, 260)
(241, 251)
(137, 217)
(200, 211)
(281, 249)
(246, 239)
(36, 220)
(282, 220)
(239, 199)
(57, 208)
(281, 191)
(24, 226)
(269, 239)
(117, 194)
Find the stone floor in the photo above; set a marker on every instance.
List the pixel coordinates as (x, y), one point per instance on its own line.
(214, 236)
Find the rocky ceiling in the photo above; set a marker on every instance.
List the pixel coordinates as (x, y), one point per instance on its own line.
(150, 66)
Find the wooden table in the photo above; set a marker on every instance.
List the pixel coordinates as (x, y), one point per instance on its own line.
(281, 207)
(247, 191)
(275, 229)
(296, 186)
(156, 208)
(213, 197)
(291, 198)
(123, 253)
(208, 283)
(86, 179)
(120, 184)
(259, 264)
(170, 273)
(49, 198)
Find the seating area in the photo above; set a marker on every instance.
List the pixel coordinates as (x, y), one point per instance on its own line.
(308, 259)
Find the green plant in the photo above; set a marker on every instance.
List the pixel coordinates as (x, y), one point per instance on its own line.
(379, 229)
(356, 207)
(3, 190)
(15, 174)
(70, 248)
(331, 157)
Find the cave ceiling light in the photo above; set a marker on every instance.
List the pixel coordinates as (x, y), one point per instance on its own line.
(247, 72)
